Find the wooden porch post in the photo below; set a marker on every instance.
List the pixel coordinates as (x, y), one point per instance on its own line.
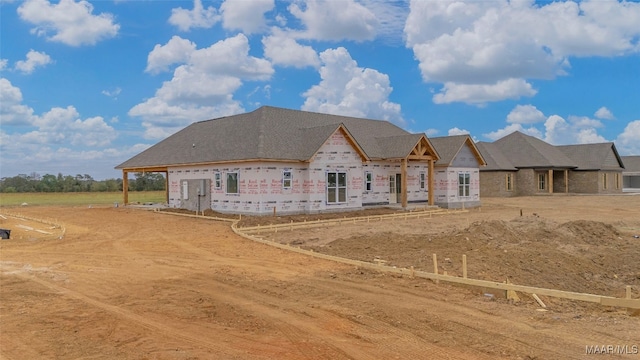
(431, 180)
(166, 186)
(403, 179)
(550, 181)
(125, 186)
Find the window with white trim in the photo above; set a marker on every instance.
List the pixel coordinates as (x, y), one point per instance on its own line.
(423, 180)
(464, 181)
(217, 180)
(185, 190)
(287, 177)
(542, 181)
(336, 187)
(368, 177)
(232, 183)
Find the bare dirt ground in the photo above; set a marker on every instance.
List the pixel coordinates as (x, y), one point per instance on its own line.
(133, 284)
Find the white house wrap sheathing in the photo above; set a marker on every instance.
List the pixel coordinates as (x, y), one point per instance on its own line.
(261, 187)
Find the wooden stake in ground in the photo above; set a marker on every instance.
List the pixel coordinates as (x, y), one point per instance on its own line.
(537, 299)
(511, 294)
(464, 266)
(435, 266)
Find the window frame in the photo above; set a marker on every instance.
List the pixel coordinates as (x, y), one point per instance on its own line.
(217, 180)
(509, 182)
(230, 181)
(464, 188)
(542, 181)
(185, 190)
(604, 181)
(422, 177)
(368, 181)
(337, 188)
(285, 179)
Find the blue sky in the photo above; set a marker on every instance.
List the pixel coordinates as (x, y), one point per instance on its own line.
(86, 85)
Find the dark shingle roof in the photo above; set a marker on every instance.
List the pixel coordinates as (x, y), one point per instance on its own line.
(396, 146)
(495, 159)
(274, 134)
(601, 156)
(449, 146)
(631, 163)
(526, 151)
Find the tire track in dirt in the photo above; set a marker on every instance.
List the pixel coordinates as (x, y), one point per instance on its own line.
(293, 328)
(198, 341)
(318, 332)
(522, 336)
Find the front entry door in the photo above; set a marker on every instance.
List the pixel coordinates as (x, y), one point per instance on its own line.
(395, 188)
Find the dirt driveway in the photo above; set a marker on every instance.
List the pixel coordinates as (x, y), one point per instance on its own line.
(132, 284)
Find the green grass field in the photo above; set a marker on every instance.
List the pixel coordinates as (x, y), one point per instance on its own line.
(83, 198)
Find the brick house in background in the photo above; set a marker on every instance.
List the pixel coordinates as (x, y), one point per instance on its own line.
(522, 165)
(631, 174)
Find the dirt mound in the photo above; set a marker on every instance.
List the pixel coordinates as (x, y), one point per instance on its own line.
(589, 232)
(583, 256)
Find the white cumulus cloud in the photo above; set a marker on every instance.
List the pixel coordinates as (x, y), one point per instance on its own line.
(12, 111)
(69, 22)
(55, 140)
(176, 50)
(284, 50)
(34, 59)
(628, 142)
(199, 17)
(604, 113)
(574, 130)
(511, 128)
(480, 94)
(202, 85)
(488, 42)
(246, 16)
(456, 131)
(347, 89)
(525, 114)
(335, 20)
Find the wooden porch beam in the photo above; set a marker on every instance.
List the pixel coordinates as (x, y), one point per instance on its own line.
(403, 180)
(550, 181)
(420, 157)
(125, 186)
(166, 186)
(431, 180)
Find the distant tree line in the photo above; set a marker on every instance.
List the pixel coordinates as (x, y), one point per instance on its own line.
(78, 183)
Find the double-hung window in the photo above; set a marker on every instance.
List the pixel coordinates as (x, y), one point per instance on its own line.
(464, 181)
(217, 180)
(232, 183)
(368, 177)
(542, 181)
(423, 180)
(509, 180)
(336, 187)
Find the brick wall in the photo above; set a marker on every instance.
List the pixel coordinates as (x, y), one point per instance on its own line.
(593, 182)
(493, 184)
